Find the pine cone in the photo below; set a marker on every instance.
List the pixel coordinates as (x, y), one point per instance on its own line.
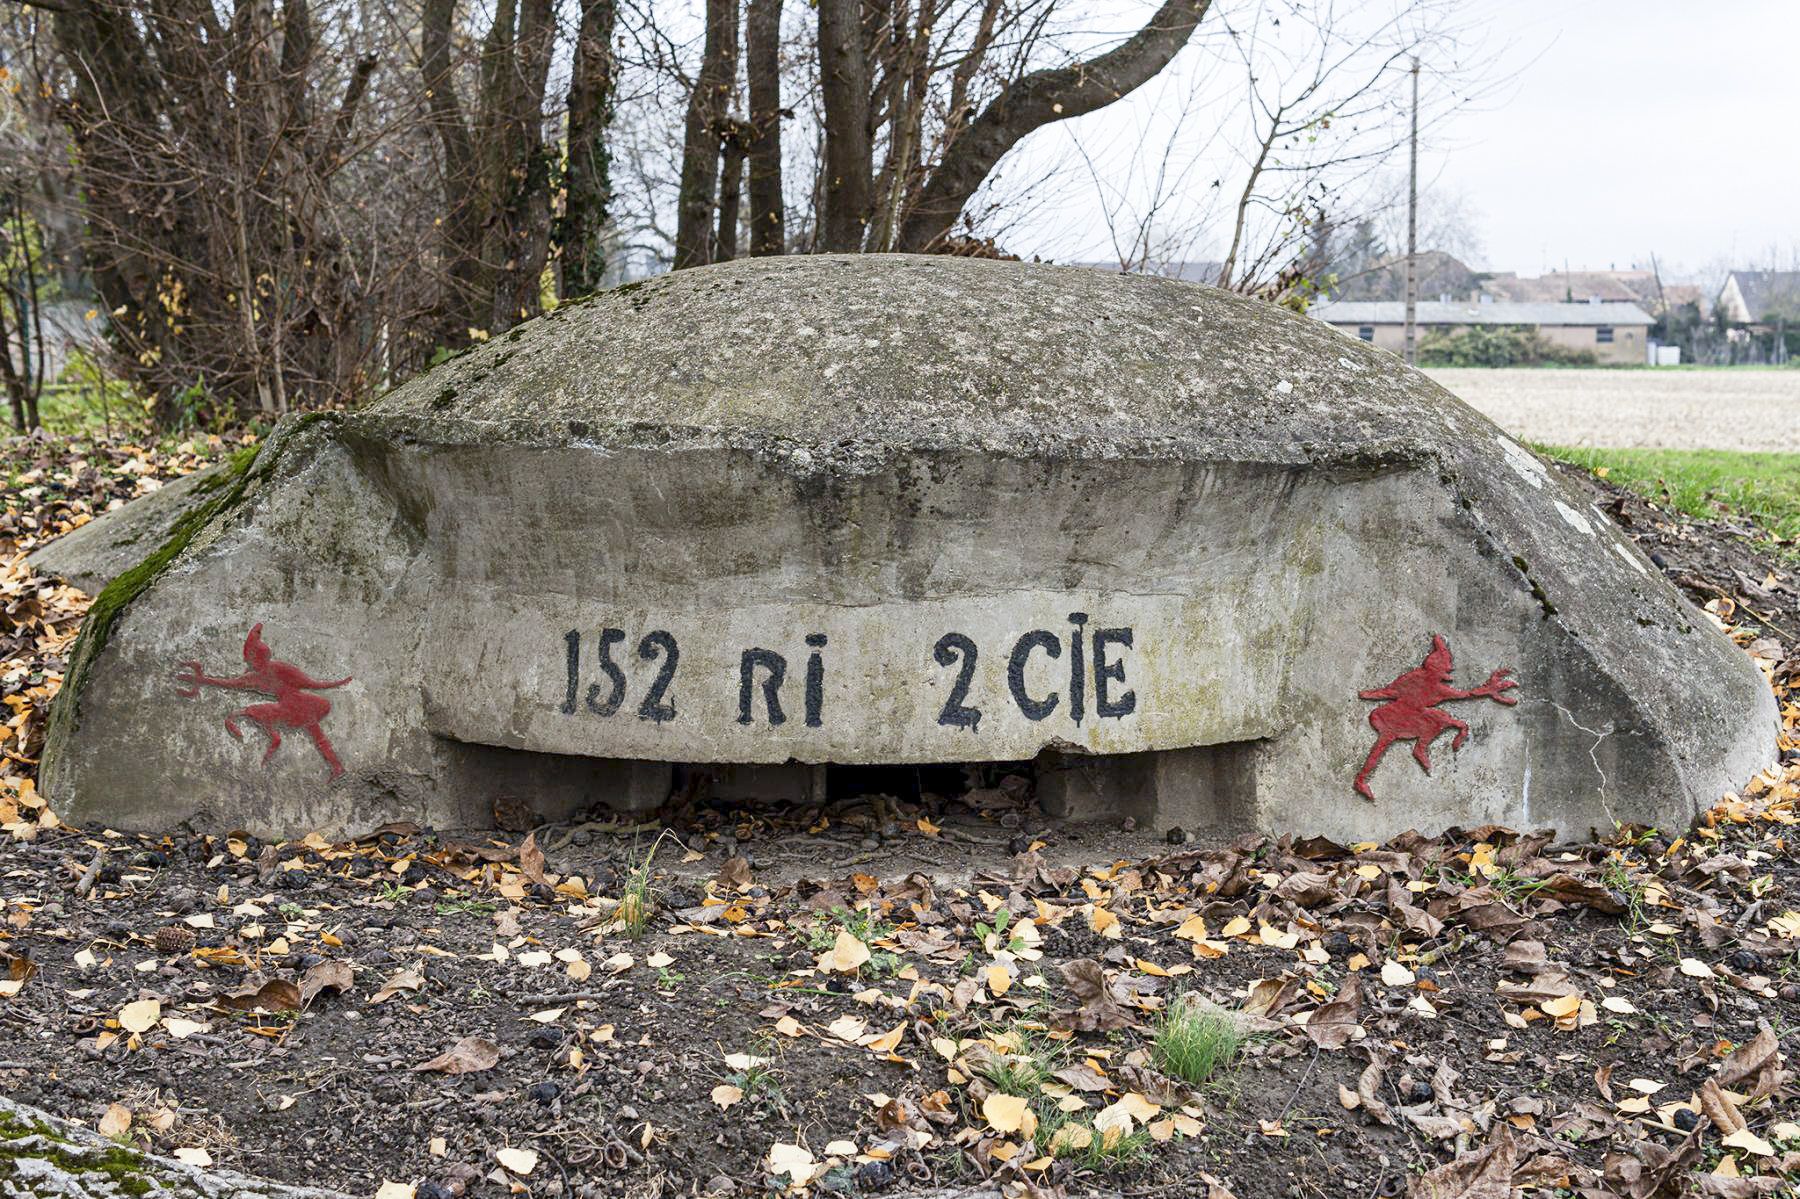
(174, 939)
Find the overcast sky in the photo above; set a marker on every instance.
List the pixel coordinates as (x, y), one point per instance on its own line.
(1637, 127)
(1611, 130)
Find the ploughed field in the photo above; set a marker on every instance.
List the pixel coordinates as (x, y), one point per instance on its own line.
(1720, 408)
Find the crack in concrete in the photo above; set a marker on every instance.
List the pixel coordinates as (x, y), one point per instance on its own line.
(1599, 736)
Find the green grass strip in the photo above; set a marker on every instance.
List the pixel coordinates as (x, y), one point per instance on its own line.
(1762, 487)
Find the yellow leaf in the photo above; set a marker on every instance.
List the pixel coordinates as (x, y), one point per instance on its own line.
(1744, 1139)
(1191, 929)
(1008, 1114)
(794, 1161)
(1237, 926)
(519, 1161)
(847, 954)
(998, 979)
(847, 1028)
(1151, 968)
(1695, 968)
(140, 1016)
(1071, 1137)
(116, 1120)
(928, 828)
(1396, 975)
(725, 1095)
(888, 1041)
(1104, 922)
(394, 1190)
(194, 1157)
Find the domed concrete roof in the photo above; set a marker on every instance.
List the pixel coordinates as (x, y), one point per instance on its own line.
(1206, 561)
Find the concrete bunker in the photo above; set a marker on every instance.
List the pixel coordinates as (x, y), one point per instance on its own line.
(1197, 560)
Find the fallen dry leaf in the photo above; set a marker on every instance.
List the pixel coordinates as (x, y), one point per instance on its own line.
(519, 1161)
(468, 1056)
(140, 1016)
(1484, 1173)
(846, 954)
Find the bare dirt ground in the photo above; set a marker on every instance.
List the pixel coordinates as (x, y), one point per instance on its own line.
(1727, 408)
(918, 995)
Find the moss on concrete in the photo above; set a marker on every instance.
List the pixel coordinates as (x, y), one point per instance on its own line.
(124, 1166)
(239, 473)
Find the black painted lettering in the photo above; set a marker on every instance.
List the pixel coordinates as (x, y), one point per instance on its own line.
(815, 681)
(1034, 709)
(572, 640)
(956, 714)
(609, 705)
(1105, 672)
(776, 665)
(653, 707)
(1077, 669)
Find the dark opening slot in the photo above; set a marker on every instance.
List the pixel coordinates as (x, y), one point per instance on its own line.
(951, 780)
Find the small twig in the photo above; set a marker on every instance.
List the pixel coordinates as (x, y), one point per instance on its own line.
(560, 996)
(86, 882)
(1298, 1087)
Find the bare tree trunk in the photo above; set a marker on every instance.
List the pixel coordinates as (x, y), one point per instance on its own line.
(462, 206)
(844, 86)
(731, 187)
(1034, 101)
(701, 140)
(762, 68)
(586, 212)
(518, 172)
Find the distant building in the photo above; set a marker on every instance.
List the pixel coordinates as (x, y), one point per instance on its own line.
(1639, 287)
(1613, 332)
(1761, 299)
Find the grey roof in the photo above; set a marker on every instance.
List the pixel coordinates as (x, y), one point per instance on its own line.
(1462, 312)
(1769, 293)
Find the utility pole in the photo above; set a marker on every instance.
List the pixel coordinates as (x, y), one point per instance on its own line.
(1412, 230)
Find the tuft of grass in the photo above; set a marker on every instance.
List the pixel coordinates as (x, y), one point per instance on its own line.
(637, 900)
(1763, 487)
(1194, 1042)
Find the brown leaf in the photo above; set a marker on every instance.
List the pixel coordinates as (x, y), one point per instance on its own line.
(1572, 890)
(1305, 888)
(1739, 1188)
(275, 995)
(1333, 1025)
(1757, 1062)
(1718, 1108)
(1484, 1173)
(1649, 1171)
(734, 873)
(1368, 1089)
(468, 1056)
(531, 860)
(325, 976)
(1099, 1011)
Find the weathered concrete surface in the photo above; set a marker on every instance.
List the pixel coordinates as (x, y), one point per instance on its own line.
(938, 510)
(45, 1157)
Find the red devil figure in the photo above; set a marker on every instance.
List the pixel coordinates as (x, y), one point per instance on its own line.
(1413, 715)
(286, 683)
